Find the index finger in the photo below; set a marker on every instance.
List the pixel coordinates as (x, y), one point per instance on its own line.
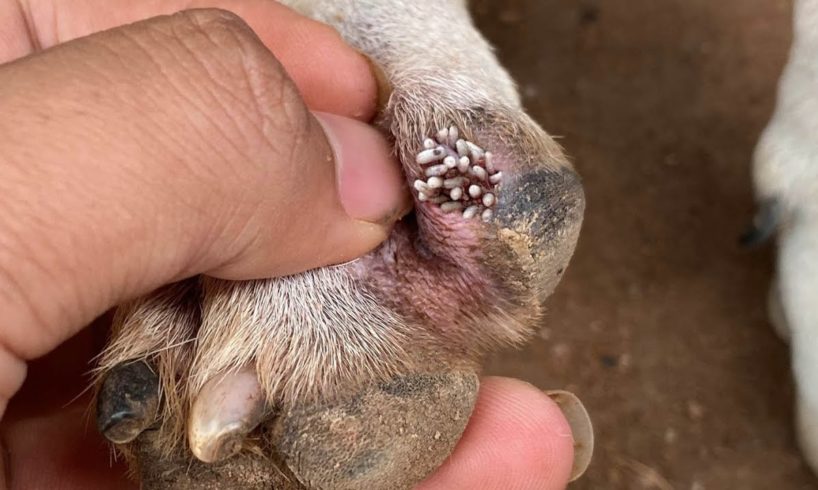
(331, 76)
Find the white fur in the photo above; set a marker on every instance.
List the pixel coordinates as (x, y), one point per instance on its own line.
(431, 45)
(786, 169)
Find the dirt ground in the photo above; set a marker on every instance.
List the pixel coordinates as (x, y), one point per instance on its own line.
(660, 324)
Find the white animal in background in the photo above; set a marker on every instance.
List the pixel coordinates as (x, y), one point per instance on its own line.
(786, 181)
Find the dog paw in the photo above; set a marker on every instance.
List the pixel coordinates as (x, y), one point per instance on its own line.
(361, 374)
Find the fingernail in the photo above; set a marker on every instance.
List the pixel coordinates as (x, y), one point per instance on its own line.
(581, 429)
(371, 185)
(382, 83)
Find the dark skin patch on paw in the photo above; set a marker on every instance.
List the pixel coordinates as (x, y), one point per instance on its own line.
(547, 201)
(537, 231)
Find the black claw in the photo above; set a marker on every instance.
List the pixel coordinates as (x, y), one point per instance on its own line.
(127, 402)
(764, 224)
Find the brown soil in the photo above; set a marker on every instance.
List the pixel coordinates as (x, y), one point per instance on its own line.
(660, 323)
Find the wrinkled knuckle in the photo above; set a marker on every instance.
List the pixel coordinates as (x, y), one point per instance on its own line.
(277, 103)
(268, 84)
(214, 21)
(217, 34)
(296, 115)
(264, 83)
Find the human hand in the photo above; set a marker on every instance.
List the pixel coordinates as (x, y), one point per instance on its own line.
(138, 156)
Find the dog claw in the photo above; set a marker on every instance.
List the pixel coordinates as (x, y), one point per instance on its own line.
(128, 401)
(227, 408)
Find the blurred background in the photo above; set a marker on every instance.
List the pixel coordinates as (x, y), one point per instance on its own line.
(660, 324)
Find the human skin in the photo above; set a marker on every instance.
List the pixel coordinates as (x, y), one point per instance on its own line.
(81, 258)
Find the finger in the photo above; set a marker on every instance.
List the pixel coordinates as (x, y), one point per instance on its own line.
(59, 450)
(177, 146)
(517, 438)
(58, 378)
(331, 76)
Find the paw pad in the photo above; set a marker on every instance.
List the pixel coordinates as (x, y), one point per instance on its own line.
(460, 176)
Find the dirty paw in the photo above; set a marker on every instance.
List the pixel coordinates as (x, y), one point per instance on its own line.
(356, 376)
(389, 436)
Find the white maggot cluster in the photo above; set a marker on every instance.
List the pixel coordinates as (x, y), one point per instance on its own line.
(460, 176)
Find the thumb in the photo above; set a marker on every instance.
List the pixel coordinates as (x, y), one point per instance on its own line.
(164, 149)
(337, 198)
